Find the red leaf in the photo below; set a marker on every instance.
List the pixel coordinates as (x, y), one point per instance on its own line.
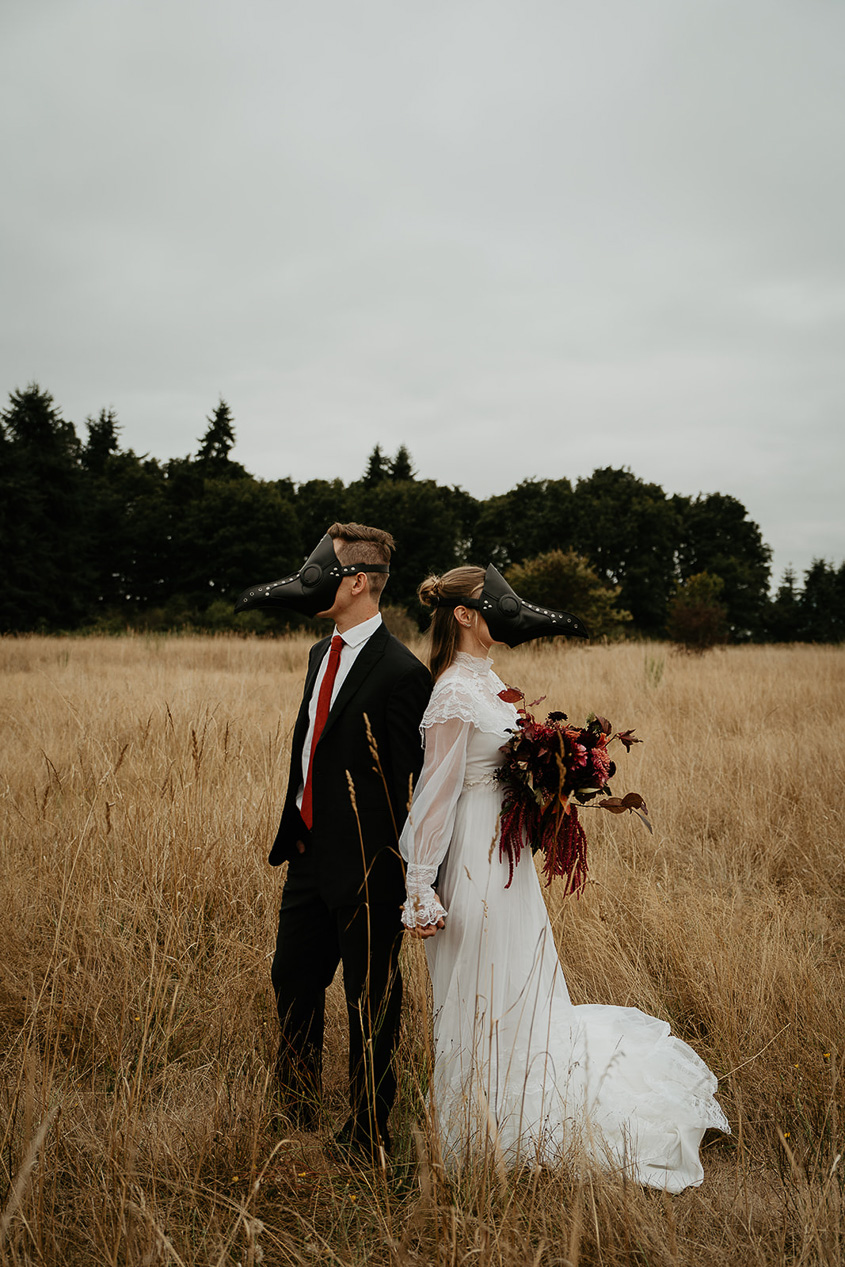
(614, 804)
(633, 803)
(633, 800)
(627, 738)
(511, 695)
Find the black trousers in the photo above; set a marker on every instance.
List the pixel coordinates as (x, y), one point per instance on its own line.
(312, 940)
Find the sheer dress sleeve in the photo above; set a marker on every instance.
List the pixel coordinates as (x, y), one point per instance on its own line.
(431, 820)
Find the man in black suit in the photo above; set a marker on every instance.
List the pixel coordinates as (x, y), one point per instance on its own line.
(347, 799)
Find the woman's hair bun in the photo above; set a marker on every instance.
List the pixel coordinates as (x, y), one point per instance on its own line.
(430, 590)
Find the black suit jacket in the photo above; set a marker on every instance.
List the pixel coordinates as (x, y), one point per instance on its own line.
(351, 851)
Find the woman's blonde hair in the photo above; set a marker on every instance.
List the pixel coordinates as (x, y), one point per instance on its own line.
(444, 631)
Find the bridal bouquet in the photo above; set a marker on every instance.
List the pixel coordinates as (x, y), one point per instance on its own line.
(549, 765)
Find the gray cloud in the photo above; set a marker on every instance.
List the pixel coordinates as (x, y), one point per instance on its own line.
(524, 239)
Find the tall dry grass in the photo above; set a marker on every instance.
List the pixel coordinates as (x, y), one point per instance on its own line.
(140, 782)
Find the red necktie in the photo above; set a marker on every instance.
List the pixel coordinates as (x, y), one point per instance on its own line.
(324, 702)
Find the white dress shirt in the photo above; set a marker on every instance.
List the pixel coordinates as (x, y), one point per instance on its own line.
(354, 641)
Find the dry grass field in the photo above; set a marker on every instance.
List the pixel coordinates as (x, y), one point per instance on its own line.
(140, 783)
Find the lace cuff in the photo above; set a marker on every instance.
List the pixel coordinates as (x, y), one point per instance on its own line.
(421, 906)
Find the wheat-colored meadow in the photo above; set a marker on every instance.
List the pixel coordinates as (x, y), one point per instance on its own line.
(140, 783)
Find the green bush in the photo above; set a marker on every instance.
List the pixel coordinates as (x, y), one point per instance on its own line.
(564, 580)
(698, 619)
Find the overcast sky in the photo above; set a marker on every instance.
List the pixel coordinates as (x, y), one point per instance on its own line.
(525, 239)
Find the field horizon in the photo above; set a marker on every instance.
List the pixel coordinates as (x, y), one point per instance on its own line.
(141, 778)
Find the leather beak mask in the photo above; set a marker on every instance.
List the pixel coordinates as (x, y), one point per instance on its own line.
(310, 590)
(510, 618)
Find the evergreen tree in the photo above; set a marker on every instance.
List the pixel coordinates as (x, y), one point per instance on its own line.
(107, 516)
(401, 467)
(144, 575)
(783, 617)
(216, 445)
(822, 603)
(378, 468)
(45, 571)
(102, 441)
(33, 424)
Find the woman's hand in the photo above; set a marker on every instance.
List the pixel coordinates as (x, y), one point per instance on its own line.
(426, 930)
(422, 911)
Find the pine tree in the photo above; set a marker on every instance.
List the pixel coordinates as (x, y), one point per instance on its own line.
(401, 468)
(102, 440)
(783, 618)
(378, 468)
(218, 440)
(822, 603)
(45, 575)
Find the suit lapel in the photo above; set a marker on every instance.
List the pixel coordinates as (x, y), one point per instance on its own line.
(368, 656)
(320, 652)
(301, 725)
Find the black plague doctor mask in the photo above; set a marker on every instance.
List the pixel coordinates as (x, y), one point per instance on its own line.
(310, 590)
(511, 619)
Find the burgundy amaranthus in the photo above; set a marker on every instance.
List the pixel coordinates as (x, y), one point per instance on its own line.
(548, 766)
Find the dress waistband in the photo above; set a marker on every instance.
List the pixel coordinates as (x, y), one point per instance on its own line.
(483, 780)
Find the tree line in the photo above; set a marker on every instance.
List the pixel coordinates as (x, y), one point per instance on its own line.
(96, 536)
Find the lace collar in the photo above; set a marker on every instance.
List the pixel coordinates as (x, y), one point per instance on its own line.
(480, 667)
(469, 690)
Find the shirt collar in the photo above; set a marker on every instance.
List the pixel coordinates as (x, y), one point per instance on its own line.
(358, 634)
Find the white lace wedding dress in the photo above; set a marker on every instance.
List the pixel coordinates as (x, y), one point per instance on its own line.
(519, 1070)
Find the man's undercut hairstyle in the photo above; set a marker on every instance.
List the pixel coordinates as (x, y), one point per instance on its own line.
(356, 543)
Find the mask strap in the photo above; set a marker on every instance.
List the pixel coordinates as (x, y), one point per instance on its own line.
(350, 569)
(449, 601)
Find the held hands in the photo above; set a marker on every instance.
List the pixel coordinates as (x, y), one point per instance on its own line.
(422, 912)
(426, 930)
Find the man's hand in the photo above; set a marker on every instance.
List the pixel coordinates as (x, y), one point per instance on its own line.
(426, 930)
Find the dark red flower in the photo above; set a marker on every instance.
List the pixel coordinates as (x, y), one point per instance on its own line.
(546, 764)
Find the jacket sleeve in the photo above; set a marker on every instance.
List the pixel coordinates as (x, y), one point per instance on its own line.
(405, 708)
(431, 821)
(291, 825)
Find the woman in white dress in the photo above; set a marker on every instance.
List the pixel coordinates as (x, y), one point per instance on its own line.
(519, 1071)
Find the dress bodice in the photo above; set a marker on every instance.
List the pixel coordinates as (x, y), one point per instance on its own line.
(469, 690)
